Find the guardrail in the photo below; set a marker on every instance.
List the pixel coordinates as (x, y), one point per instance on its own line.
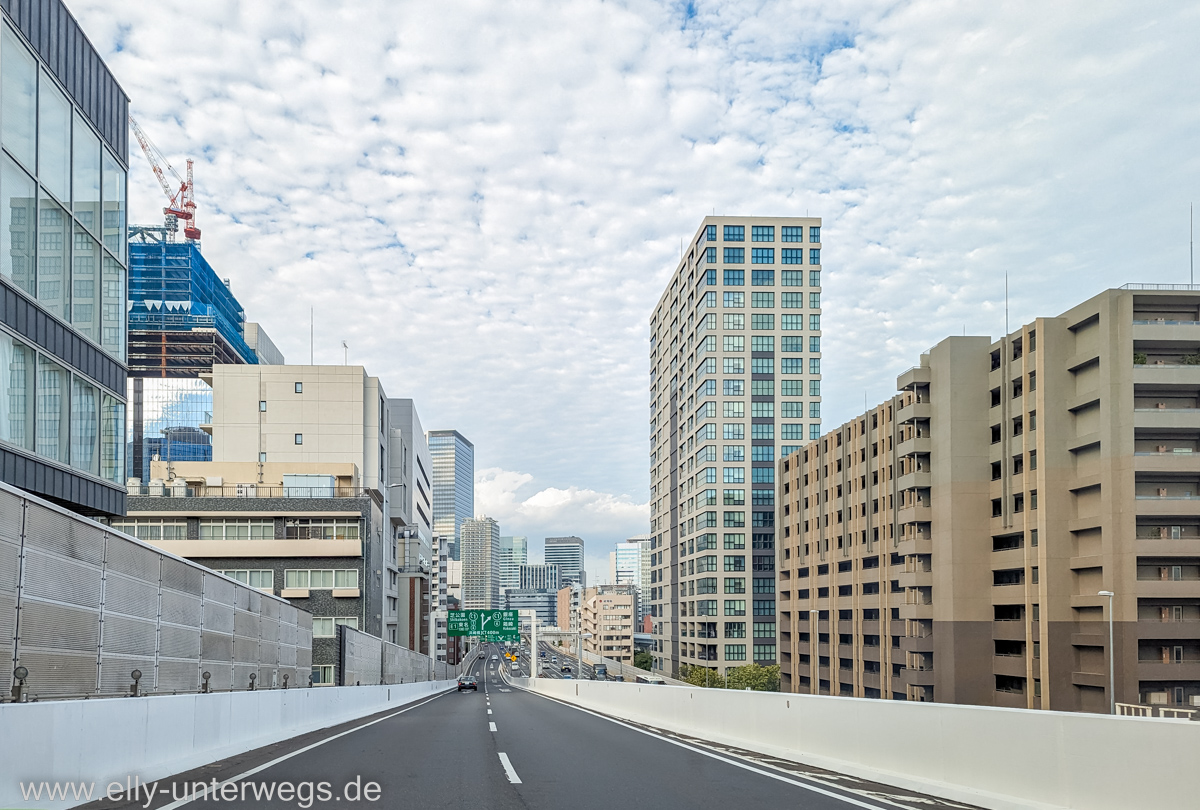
(1002, 759)
(167, 490)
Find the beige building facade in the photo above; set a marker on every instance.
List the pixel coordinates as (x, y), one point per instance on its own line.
(735, 384)
(952, 544)
(608, 614)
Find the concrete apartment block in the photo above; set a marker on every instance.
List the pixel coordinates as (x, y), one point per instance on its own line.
(952, 543)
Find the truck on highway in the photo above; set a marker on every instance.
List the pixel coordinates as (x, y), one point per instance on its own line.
(650, 679)
(600, 672)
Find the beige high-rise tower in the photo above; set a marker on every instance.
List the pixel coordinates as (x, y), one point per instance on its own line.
(956, 543)
(735, 383)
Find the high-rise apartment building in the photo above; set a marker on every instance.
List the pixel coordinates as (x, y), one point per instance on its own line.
(735, 383)
(480, 564)
(453, 484)
(959, 542)
(539, 577)
(514, 553)
(567, 554)
(411, 524)
(63, 263)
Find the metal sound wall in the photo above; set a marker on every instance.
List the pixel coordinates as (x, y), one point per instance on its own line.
(82, 606)
(366, 660)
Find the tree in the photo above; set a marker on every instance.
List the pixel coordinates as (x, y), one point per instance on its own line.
(642, 659)
(755, 677)
(703, 676)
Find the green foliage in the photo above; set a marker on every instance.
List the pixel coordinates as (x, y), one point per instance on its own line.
(643, 660)
(755, 677)
(1139, 358)
(702, 676)
(1190, 360)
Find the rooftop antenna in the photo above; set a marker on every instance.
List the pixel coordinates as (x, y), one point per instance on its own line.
(311, 328)
(1006, 303)
(345, 354)
(1191, 246)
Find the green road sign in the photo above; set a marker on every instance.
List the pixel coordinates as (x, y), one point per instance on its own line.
(489, 625)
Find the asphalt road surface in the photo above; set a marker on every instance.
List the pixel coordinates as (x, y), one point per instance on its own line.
(504, 748)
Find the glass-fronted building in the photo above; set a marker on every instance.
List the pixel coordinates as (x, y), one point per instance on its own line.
(453, 484)
(183, 319)
(63, 265)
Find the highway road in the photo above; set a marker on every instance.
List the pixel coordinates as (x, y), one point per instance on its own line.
(509, 749)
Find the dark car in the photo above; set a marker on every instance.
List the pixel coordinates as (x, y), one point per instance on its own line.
(468, 682)
(565, 668)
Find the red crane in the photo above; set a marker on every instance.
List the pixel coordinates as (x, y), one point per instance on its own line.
(182, 203)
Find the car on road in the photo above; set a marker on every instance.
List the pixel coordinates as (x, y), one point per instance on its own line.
(495, 658)
(554, 659)
(565, 668)
(543, 655)
(600, 672)
(468, 682)
(568, 677)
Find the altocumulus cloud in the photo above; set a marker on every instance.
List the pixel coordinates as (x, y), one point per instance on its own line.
(484, 199)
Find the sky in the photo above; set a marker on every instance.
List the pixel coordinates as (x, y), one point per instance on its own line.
(485, 200)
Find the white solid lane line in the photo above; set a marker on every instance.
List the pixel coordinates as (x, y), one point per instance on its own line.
(491, 726)
(508, 769)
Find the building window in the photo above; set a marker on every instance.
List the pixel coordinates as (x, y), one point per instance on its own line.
(710, 277)
(792, 233)
(735, 278)
(735, 652)
(762, 278)
(762, 343)
(764, 652)
(814, 256)
(152, 530)
(322, 675)
(814, 410)
(814, 323)
(299, 388)
(262, 458)
(735, 629)
(735, 233)
(814, 365)
(324, 626)
(793, 278)
(791, 323)
(733, 322)
(299, 438)
(814, 344)
(734, 475)
(735, 585)
(734, 520)
(792, 256)
(814, 234)
(764, 607)
(733, 343)
(262, 579)
(762, 233)
(814, 300)
(814, 278)
(791, 365)
(762, 365)
(235, 529)
(762, 255)
(710, 233)
(735, 541)
(762, 322)
(735, 300)
(733, 365)
(735, 607)
(792, 300)
(735, 255)
(710, 255)
(321, 529)
(736, 562)
(761, 300)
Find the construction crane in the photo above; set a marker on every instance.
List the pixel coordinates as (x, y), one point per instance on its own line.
(182, 203)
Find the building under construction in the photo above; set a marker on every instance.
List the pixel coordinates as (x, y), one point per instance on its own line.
(183, 319)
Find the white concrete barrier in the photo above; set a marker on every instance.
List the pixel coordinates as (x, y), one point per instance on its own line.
(1002, 759)
(108, 740)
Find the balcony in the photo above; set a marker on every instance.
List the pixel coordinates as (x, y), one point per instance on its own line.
(1170, 331)
(1156, 372)
(913, 376)
(914, 410)
(915, 579)
(1167, 588)
(1172, 461)
(1009, 665)
(916, 444)
(920, 479)
(1166, 418)
(1168, 631)
(1155, 670)
(919, 512)
(1167, 505)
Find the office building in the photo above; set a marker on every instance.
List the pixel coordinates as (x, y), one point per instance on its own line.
(567, 608)
(183, 320)
(542, 601)
(514, 553)
(735, 384)
(608, 615)
(480, 538)
(453, 484)
(539, 577)
(411, 516)
(630, 564)
(567, 554)
(956, 543)
(63, 263)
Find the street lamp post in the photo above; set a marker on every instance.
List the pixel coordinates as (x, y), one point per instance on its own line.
(1112, 667)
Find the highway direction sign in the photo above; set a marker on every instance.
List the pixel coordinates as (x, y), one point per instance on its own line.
(489, 625)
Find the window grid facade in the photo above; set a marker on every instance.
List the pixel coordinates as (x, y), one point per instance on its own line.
(717, 432)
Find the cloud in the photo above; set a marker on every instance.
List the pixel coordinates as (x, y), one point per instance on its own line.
(523, 508)
(485, 200)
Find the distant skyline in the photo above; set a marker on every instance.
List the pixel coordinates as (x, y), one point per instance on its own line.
(484, 202)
